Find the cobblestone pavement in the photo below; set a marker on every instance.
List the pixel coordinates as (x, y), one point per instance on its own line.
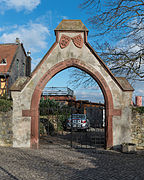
(58, 163)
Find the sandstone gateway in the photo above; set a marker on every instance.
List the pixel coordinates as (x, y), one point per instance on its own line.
(71, 49)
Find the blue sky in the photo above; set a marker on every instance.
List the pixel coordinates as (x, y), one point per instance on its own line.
(34, 21)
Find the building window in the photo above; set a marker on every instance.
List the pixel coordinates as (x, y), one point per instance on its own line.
(3, 62)
(23, 68)
(3, 84)
(17, 65)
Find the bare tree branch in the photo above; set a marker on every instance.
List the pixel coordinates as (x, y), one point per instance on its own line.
(123, 22)
(118, 37)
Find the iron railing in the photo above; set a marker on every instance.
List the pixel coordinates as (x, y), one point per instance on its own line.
(57, 91)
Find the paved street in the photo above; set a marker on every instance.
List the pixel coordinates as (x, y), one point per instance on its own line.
(58, 163)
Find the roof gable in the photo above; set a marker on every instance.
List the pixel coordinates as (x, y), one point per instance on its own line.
(68, 26)
(7, 52)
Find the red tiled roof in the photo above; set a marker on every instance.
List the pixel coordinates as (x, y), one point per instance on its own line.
(7, 51)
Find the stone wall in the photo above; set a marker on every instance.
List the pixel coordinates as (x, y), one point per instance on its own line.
(6, 135)
(137, 128)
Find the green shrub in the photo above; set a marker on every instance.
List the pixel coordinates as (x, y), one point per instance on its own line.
(139, 109)
(48, 107)
(46, 126)
(5, 105)
(41, 129)
(55, 109)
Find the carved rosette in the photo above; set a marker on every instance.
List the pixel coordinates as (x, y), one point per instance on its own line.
(65, 40)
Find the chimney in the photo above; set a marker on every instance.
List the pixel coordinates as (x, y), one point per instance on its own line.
(28, 64)
(138, 100)
(17, 41)
(28, 53)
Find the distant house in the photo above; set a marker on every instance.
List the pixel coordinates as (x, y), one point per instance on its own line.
(61, 94)
(95, 111)
(14, 62)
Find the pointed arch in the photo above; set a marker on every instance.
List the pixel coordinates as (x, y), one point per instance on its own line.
(34, 112)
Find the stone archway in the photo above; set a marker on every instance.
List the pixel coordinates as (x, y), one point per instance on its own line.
(71, 49)
(110, 111)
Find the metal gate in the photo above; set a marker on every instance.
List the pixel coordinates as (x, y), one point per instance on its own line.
(72, 125)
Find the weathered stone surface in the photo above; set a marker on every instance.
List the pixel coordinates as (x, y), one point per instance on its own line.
(128, 147)
(26, 101)
(124, 83)
(19, 84)
(137, 129)
(67, 25)
(6, 134)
